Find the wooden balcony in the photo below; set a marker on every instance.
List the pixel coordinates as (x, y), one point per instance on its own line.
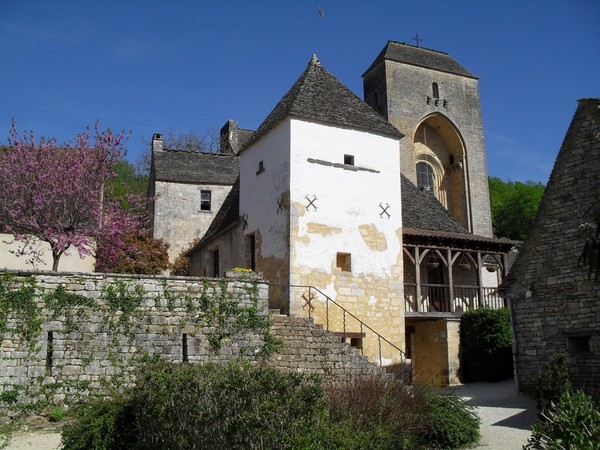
(440, 299)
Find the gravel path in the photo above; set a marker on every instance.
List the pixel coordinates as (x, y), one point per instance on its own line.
(506, 416)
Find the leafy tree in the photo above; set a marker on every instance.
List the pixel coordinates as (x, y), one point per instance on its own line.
(514, 205)
(55, 193)
(126, 182)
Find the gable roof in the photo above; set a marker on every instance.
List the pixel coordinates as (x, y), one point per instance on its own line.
(318, 95)
(420, 56)
(195, 167)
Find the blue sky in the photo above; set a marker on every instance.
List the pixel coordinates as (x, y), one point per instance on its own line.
(153, 66)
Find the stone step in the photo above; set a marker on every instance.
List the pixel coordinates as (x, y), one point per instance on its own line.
(307, 348)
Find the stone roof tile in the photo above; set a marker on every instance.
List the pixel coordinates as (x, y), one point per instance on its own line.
(420, 56)
(195, 167)
(318, 95)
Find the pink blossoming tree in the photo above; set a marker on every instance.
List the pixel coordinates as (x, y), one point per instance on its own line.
(55, 193)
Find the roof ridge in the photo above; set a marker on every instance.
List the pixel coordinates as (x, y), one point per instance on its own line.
(418, 46)
(177, 150)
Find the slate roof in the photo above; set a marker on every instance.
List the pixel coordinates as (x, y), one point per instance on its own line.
(426, 221)
(318, 95)
(422, 211)
(420, 56)
(195, 167)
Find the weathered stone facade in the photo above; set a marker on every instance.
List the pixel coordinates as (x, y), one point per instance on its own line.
(435, 102)
(555, 306)
(98, 327)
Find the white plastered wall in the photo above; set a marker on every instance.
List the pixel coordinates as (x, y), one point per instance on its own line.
(348, 219)
(10, 257)
(264, 207)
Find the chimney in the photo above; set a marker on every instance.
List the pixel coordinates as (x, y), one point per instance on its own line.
(229, 137)
(157, 142)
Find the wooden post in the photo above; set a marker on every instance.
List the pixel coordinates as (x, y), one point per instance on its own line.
(417, 278)
(450, 279)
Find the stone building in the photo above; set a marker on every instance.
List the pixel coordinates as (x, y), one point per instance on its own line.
(555, 305)
(371, 217)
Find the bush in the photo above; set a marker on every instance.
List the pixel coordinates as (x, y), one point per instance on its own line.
(552, 382)
(371, 413)
(571, 423)
(236, 406)
(101, 425)
(183, 406)
(449, 422)
(486, 345)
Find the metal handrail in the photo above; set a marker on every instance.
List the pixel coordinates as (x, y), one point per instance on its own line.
(380, 338)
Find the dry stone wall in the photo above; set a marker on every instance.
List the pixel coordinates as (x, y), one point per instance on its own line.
(76, 331)
(63, 336)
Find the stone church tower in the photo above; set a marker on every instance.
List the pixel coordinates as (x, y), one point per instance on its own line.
(434, 101)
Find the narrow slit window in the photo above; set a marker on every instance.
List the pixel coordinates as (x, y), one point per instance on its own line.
(205, 200)
(49, 352)
(436, 90)
(344, 262)
(349, 160)
(261, 168)
(184, 348)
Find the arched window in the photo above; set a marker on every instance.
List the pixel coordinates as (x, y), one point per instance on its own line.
(436, 90)
(425, 177)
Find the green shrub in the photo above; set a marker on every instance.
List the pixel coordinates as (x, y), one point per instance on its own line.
(571, 423)
(56, 414)
(236, 406)
(184, 406)
(449, 422)
(552, 382)
(486, 345)
(9, 397)
(101, 425)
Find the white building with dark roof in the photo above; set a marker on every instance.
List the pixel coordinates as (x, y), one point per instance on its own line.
(329, 209)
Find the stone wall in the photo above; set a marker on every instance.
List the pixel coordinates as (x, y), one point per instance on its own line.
(94, 327)
(68, 334)
(555, 306)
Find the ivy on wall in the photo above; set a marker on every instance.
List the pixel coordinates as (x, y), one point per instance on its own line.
(211, 310)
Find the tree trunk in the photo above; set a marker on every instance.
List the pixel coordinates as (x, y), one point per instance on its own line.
(55, 259)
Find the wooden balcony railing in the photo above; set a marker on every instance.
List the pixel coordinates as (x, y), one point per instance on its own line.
(437, 298)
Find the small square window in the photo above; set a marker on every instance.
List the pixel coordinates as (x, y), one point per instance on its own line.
(578, 344)
(356, 343)
(344, 262)
(205, 200)
(349, 160)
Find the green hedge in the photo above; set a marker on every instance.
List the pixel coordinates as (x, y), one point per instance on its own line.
(486, 345)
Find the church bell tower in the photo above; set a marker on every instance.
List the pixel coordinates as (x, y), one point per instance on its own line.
(434, 102)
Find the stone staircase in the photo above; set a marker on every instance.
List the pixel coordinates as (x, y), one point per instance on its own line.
(308, 348)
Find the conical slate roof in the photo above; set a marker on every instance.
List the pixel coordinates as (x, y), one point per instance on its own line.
(420, 56)
(571, 198)
(318, 95)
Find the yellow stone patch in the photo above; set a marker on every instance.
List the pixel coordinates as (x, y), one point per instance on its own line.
(323, 230)
(374, 238)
